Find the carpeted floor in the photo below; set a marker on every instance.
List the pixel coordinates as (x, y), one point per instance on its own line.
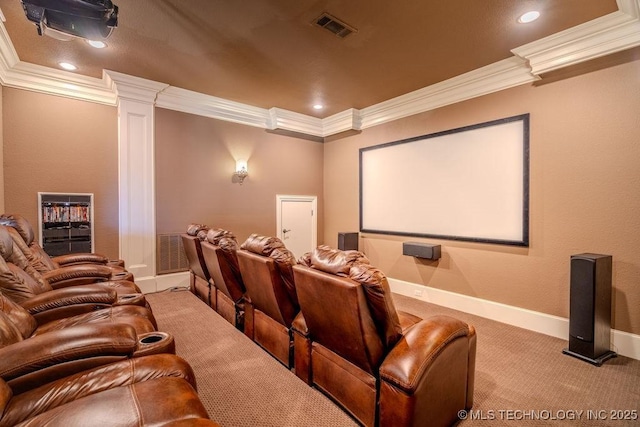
(522, 378)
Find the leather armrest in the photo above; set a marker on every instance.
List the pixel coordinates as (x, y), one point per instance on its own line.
(64, 302)
(82, 258)
(77, 274)
(416, 351)
(66, 345)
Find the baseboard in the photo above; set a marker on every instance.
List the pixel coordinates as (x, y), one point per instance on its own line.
(623, 343)
(161, 282)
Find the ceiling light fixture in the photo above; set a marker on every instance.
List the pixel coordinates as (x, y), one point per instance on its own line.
(96, 43)
(525, 18)
(67, 66)
(318, 107)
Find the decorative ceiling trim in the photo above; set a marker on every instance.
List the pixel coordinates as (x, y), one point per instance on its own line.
(600, 37)
(186, 101)
(133, 88)
(611, 33)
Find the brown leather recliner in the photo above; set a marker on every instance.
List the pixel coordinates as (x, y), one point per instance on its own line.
(45, 265)
(38, 297)
(385, 367)
(199, 282)
(271, 303)
(219, 252)
(151, 390)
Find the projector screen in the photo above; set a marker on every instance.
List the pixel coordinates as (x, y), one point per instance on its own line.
(470, 183)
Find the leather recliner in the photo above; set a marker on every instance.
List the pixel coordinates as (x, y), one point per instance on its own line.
(150, 390)
(219, 252)
(199, 277)
(385, 367)
(49, 267)
(41, 300)
(271, 303)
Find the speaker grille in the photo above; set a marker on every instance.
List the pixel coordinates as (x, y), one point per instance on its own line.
(171, 255)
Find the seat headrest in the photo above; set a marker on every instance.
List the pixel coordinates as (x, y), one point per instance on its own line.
(262, 245)
(335, 261)
(378, 292)
(20, 224)
(194, 229)
(215, 234)
(6, 243)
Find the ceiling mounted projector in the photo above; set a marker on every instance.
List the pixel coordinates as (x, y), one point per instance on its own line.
(65, 19)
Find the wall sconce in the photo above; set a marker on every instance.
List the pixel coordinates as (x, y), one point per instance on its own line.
(241, 171)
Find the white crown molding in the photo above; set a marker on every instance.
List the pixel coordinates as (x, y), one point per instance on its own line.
(611, 33)
(295, 122)
(600, 37)
(492, 78)
(187, 101)
(133, 88)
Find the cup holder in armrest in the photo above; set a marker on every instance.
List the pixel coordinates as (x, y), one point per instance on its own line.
(155, 343)
(132, 299)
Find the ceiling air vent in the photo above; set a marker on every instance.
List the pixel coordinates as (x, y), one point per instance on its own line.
(333, 24)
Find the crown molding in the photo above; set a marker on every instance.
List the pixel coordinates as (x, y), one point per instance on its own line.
(186, 101)
(132, 88)
(600, 37)
(498, 76)
(611, 33)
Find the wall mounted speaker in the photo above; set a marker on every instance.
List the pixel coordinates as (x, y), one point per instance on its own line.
(348, 241)
(590, 308)
(421, 250)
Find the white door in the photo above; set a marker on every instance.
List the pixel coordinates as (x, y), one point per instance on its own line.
(297, 222)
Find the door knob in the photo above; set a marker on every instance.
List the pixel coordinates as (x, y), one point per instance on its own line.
(285, 231)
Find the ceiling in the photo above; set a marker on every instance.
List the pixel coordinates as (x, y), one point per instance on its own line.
(269, 53)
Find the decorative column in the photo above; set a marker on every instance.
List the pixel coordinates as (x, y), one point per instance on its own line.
(136, 175)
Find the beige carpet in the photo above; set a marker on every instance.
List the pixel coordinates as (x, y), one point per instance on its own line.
(238, 382)
(522, 378)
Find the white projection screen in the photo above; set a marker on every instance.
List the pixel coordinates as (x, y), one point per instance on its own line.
(470, 183)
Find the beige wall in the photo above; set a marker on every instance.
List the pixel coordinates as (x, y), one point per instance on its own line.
(584, 194)
(195, 159)
(55, 144)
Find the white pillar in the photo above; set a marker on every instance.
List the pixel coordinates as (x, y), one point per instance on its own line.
(136, 175)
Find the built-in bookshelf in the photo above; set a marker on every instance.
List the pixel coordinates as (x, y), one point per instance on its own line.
(66, 222)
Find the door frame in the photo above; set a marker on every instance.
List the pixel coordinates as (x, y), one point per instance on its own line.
(314, 218)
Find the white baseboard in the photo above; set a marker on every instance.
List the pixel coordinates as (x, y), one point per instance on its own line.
(623, 343)
(159, 283)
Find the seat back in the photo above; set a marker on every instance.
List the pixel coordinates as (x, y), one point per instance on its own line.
(222, 263)
(265, 287)
(34, 253)
(193, 250)
(338, 317)
(16, 323)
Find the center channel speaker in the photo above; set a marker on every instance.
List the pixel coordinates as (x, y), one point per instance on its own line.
(590, 308)
(348, 241)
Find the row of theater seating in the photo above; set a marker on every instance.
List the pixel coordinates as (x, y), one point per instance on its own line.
(79, 344)
(329, 317)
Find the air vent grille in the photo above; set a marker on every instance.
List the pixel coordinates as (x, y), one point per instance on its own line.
(333, 24)
(171, 255)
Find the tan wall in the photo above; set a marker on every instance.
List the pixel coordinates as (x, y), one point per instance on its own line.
(195, 160)
(584, 194)
(55, 144)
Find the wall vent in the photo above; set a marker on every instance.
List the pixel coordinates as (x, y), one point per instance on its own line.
(333, 24)
(171, 255)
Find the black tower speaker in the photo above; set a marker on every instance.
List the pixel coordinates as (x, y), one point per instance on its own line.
(347, 241)
(590, 308)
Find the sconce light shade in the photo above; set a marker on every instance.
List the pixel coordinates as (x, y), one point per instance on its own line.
(241, 171)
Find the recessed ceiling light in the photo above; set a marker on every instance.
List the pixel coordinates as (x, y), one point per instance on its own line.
(525, 18)
(67, 66)
(318, 107)
(97, 44)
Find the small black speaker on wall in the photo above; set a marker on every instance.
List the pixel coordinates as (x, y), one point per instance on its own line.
(348, 241)
(590, 308)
